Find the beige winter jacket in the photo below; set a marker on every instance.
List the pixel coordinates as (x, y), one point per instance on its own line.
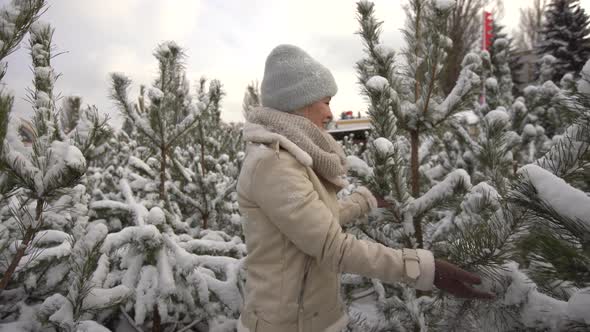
(296, 246)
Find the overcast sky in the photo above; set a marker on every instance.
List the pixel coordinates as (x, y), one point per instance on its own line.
(224, 39)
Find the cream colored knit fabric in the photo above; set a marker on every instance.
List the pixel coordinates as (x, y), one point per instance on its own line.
(329, 160)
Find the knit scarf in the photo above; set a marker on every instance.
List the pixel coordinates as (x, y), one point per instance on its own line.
(328, 158)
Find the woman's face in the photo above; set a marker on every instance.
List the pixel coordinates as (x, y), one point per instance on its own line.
(319, 113)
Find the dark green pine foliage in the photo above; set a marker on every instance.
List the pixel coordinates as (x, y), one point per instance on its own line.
(514, 61)
(566, 36)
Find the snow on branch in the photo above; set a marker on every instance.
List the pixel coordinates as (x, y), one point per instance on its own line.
(458, 179)
(146, 236)
(466, 84)
(22, 169)
(166, 277)
(99, 298)
(233, 248)
(65, 162)
(16, 19)
(187, 261)
(90, 326)
(46, 254)
(114, 207)
(44, 238)
(138, 211)
(141, 165)
(564, 199)
(539, 311)
(102, 270)
(227, 290)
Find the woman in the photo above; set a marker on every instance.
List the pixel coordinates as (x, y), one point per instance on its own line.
(287, 194)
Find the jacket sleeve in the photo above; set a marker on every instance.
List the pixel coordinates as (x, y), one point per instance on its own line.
(286, 195)
(357, 205)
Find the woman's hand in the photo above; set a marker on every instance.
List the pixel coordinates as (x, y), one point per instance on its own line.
(456, 281)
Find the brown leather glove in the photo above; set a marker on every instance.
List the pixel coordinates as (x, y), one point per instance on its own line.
(456, 281)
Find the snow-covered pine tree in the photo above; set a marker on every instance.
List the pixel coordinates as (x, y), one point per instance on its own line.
(167, 116)
(507, 54)
(493, 233)
(251, 97)
(195, 174)
(478, 230)
(410, 99)
(375, 77)
(545, 108)
(181, 275)
(16, 18)
(501, 81)
(547, 69)
(74, 312)
(536, 236)
(206, 171)
(15, 21)
(524, 135)
(46, 205)
(177, 278)
(564, 170)
(354, 147)
(533, 140)
(566, 36)
(86, 128)
(409, 115)
(464, 30)
(190, 277)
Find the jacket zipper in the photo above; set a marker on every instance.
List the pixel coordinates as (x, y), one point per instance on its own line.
(303, 284)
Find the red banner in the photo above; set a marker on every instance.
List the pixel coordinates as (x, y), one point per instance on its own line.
(487, 30)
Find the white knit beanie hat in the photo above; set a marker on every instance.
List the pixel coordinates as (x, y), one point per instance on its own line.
(293, 79)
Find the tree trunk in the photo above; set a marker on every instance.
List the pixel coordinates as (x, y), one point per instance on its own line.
(417, 327)
(414, 135)
(415, 178)
(205, 222)
(157, 324)
(205, 216)
(514, 167)
(20, 252)
(163, 173)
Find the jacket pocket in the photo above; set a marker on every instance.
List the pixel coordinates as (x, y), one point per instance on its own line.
(249, 321)
(241, 327)
(253, 323)
(329, 320)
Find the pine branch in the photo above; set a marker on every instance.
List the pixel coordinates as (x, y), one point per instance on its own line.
(568, 157)
(28, 237)
(91, 131)
(566, 221)
(120, 85)
(16, 20)
(130, 320)
(487, 245)
(554, 261)
(20, 169)
(6, 102)
(455, 182)
(187, 199)
(459, 98)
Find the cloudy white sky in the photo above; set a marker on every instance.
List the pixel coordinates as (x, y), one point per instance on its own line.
(224, 39)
